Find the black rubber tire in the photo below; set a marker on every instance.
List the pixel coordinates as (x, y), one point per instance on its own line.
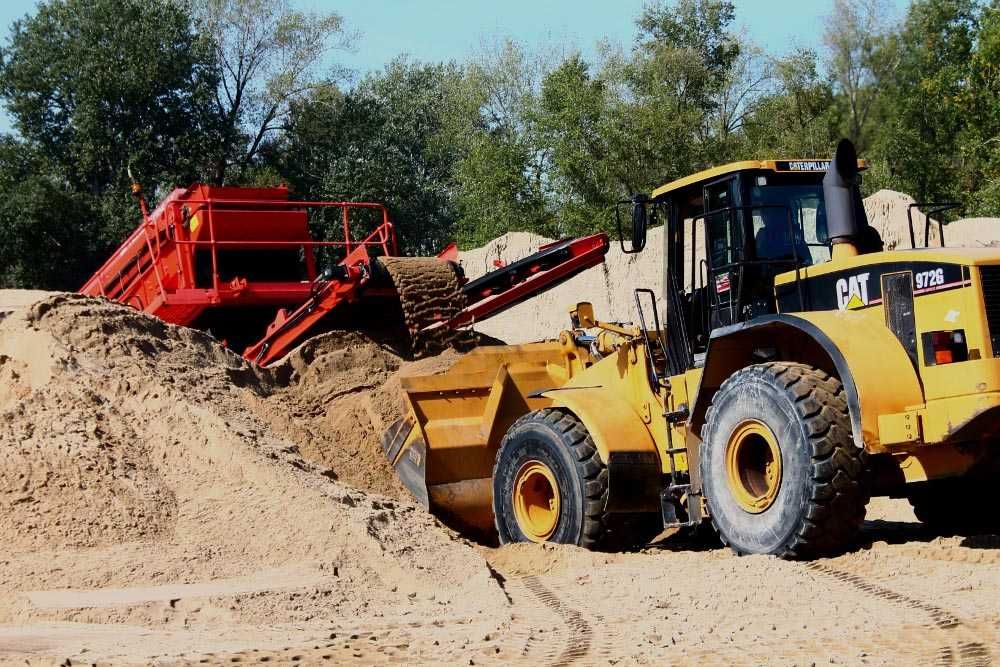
(957, 506)
(557, 439)
(824, 488)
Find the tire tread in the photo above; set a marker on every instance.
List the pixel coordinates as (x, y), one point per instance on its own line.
(840, 489)
(592, 470)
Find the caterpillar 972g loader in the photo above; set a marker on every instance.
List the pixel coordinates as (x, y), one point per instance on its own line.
(800, 369)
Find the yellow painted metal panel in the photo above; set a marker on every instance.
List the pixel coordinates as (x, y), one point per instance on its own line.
(901, 428)
(731, 168)
(874, 355)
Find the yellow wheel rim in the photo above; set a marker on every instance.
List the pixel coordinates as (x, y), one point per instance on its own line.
(753, 466)
(536, 501)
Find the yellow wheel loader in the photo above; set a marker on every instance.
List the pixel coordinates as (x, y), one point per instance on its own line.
(797, 370)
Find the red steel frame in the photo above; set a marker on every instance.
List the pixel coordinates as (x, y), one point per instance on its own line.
(156, 269)
(584, 253)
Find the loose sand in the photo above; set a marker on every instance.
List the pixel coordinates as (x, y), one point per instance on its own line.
(143, 485)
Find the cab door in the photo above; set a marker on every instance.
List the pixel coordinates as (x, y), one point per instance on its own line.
(726, 249)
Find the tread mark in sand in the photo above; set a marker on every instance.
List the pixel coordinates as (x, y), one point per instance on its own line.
(578, 642)
(970, 654)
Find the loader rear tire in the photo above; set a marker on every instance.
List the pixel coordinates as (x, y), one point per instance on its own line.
(956, 506)
(550, 485)
(780, 469)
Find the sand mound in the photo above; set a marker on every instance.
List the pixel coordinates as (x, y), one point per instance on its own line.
(129, 457)
(973, 232)
(334, 396)
(886, 211)
(12, 299)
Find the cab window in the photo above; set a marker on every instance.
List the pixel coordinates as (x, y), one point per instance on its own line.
(775, 200)
(723, 232)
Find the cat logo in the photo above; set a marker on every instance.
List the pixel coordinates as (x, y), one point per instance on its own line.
(852, 292)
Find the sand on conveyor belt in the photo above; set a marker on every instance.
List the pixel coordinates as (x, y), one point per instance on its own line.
(144, 484)
(610, 286)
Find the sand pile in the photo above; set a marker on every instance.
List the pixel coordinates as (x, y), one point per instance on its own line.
(12, 299)
(334, 396)
(131, 457)
(886, 211)
(973, 232)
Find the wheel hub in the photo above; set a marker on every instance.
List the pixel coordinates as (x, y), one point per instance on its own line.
(536, 501)
(753, 466)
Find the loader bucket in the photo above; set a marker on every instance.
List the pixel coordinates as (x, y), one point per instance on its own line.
(444, 448)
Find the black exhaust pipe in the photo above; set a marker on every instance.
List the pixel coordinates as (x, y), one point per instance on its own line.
(840, 188)
(847, 224)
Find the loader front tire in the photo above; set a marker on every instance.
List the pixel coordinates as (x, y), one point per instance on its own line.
(549, 483)
(780, 470)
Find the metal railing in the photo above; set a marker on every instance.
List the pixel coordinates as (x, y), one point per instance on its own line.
(936, 208)
(738, 254)
(160, 234)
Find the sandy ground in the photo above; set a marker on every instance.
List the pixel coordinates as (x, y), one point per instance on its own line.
(165, 503)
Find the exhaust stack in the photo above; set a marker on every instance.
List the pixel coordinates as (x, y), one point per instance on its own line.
(845, 213)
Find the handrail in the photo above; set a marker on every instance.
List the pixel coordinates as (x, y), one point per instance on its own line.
(127, 268)
(936, 208)
(759, 262)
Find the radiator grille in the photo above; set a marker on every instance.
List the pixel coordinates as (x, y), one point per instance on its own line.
(991, 297)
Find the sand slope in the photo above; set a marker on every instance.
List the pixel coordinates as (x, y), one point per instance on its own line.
(135, 473)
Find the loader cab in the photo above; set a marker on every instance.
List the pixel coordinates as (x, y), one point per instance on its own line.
(729, 232)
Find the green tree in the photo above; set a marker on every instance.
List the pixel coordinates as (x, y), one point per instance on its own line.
(270, 56)
(981, 139)
(674, 103)
(854, 34)
(45, 227)
(501, 178)
(799, 117)
(925, 99)
(94, 86)
(388, 140)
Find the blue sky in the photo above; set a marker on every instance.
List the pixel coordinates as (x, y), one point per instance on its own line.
(436, 30)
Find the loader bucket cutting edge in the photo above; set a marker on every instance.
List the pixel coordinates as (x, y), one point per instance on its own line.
(410, 468)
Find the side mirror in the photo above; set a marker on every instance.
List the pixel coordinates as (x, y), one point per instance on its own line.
(640, 221)
(582, 315)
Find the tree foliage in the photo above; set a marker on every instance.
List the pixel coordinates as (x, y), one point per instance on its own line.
(387, 140)
(928, 97)
(269, 55)
(94, 87)
(249, 92)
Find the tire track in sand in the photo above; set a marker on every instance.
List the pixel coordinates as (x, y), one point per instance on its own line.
(965, 654)
(580, 634)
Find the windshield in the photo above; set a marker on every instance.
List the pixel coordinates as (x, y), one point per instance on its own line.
(772, 236)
